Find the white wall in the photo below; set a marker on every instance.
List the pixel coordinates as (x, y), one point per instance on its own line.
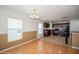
(28, 24)
(74, 25)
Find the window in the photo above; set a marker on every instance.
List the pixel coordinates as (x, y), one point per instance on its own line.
(15, 29)
(40, 28)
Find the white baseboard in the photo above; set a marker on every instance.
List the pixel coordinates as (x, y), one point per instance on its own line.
(17, 45)
(75, 47)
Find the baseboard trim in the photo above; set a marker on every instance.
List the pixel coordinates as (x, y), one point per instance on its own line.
(17, 45)
(75, 47)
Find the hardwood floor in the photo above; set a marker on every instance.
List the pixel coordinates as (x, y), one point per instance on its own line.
(57, 40)
(40, 46)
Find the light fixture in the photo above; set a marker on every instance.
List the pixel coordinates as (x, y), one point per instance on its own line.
(34, 15)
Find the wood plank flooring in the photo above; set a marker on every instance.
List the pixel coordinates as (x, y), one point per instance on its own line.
(56, 39)
(42, 47)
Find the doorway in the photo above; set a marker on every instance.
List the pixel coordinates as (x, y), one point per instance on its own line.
(40, 30)
(54, 32)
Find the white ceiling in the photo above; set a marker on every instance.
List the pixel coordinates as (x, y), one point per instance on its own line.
(47, 12)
